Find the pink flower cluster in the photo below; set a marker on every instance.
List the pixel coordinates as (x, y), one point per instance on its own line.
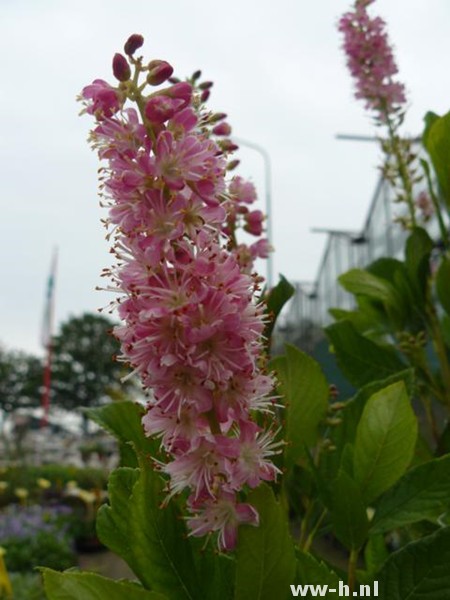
(192, 327)
(370, 60)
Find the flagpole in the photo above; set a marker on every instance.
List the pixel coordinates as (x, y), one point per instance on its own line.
(47, 332)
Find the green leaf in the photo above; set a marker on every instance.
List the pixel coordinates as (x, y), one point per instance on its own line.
(361, 282)
(311, 571)
(418, 250)
(419, 571)
(422, 493)
(123, 421)
(348, 512)
(350, 416)
(375, 554)
(305, 392)
(161, 549)
(361, 360)
(385, 440)
(276, 299)
(215, 571)
(437, 143)
(89, 586)
(266, 562)
(152, 540)
(112, 521)
(443, 283)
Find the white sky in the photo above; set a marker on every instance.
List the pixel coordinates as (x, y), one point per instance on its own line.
(279, 74)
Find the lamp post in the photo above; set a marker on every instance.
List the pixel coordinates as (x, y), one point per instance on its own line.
(268, 190)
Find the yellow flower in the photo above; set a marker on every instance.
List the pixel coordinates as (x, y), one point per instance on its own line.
(21, 493)
(44, 484)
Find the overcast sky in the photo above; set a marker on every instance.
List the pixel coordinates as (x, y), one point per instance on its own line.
(279, 74)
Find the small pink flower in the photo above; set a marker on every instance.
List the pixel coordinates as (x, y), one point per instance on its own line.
(242, 191)
(104, 99)
(224, 515)
(254, 222)
(160, 109)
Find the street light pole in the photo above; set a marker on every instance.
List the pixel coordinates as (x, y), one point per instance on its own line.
(268, 197)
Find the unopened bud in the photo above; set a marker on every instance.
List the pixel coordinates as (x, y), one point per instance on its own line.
(232, 164)
(180, 91)
(134, 42)
(205, 85)
(205, 95)
(228, 146)
(158, 72)
(121, 68)
(174, 80)
(216, 117)
(196, 75)
(222, 129)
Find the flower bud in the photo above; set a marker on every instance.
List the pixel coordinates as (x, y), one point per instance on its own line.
(222, 129)
(121, 68)
(134, 42)
(158, 72)
(180, 91)
(217, 117)
(205, 85)
(232, 164)
(205, 95)
(228, 145)
(196, 75)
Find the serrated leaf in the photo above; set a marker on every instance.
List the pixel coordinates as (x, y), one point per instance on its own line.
(123, 421)
(361, 360)
(112, 522)
(265, 560)
(348, 512)
(305, 395)
(422, 493)
(89, 586)
(385, 440)
(215, 571)
(161, 549)
(311, 571)
(419, 571)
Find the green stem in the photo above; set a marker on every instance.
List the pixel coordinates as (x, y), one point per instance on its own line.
(312, 534)
(304, 526)
(402, 168)
(351, 574)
